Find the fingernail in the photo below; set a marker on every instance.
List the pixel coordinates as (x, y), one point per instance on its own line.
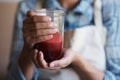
(52, 65)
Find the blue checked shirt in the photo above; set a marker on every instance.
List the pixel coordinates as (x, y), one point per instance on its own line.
(111, 20)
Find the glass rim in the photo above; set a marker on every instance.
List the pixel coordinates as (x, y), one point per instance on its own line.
(59, 11)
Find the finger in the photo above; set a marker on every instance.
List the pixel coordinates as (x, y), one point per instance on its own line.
(59, 63)
(41, 61)
(53, 66)
(39, 25)
(40, 39)
(40, 32)
(30, 13)
(32, 41)
(37, 19)
(34, 57)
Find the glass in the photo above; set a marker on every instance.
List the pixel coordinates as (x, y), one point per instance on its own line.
(52, 49)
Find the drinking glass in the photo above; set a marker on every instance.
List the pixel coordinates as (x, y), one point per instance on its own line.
(52, 49)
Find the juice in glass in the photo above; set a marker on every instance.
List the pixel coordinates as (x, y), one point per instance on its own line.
(52, 49)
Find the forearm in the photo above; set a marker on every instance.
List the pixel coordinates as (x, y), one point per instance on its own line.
(86, 70)
(26, 65)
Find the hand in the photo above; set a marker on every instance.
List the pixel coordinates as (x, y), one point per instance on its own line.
(67, 59)
(37, 28)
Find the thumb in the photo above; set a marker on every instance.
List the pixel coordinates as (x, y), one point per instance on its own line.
(30, 13)
(59, 63)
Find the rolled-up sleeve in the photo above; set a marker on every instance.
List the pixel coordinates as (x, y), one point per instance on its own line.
(14, 71)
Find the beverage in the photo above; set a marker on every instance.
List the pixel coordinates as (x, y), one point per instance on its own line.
(52, 49)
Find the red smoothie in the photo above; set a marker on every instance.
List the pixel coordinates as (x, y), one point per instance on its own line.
(52, 49)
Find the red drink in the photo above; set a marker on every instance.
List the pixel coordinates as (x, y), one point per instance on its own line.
(52, 49)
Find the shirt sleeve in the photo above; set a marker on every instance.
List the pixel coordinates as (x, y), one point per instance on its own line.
(14, 71)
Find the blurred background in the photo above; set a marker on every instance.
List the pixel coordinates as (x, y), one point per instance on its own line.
(7, 14)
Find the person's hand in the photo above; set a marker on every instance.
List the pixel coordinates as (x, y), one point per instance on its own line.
(67, 59)
(37, 29)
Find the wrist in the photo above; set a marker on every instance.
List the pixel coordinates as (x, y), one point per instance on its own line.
(75, 58)
(25, 56)
(25, 63)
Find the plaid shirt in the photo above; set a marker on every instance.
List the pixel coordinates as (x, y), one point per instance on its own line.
(111, 20)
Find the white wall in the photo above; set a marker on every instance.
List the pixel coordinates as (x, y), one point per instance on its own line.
(7, 14)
